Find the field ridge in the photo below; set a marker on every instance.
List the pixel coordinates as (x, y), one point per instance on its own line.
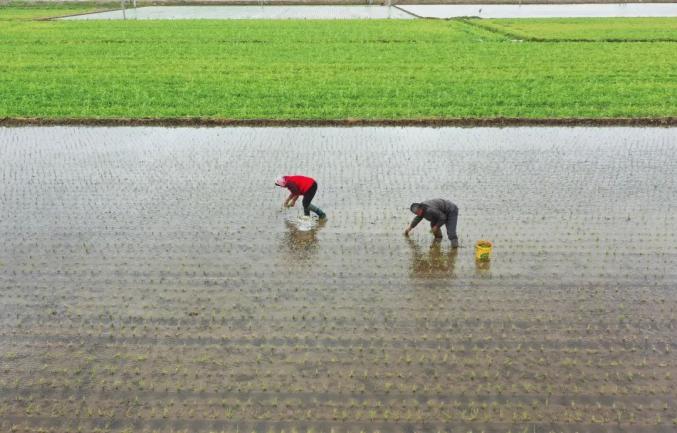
(348, 122)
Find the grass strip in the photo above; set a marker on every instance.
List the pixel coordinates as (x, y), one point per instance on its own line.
(585, 29)
(22, 10)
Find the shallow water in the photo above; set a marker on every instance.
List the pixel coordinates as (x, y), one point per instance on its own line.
(573, 195)
(154, 265)
(250, 12)
(381, 12)
(544, 10)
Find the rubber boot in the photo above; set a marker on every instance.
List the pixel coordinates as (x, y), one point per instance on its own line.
(318, 211)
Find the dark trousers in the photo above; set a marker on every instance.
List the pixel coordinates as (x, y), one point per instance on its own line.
(451, 222)
(307, 198)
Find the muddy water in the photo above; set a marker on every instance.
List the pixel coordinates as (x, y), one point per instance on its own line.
(156, 264)
(560, 203)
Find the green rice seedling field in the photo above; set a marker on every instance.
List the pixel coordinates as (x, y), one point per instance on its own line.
(22, 10)
(588, 29)
(328, 70)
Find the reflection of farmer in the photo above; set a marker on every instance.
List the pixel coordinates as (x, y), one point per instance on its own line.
(300, 245)
(439, 212)
(434, 263)
(299, 240)
(300, 185)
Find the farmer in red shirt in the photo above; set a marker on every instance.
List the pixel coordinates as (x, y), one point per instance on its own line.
(300, 185)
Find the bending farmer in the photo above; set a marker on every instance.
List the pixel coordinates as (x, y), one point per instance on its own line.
(439, 212)
(300, 185)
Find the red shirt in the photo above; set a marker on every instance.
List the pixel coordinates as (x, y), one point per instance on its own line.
(299, 184)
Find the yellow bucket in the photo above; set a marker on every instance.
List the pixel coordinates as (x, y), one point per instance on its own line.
(483, 250)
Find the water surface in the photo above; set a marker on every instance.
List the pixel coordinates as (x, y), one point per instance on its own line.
(148, 278)
(249, 12)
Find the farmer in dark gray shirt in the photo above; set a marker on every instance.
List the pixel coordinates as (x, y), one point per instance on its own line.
(439, 212)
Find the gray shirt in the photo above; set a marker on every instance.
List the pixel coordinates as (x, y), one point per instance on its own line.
(436, 211)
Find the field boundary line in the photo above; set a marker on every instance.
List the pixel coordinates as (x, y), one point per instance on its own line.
(75, 15)
(611, 40)
(423, 122)
(410, 13)
(474, 22)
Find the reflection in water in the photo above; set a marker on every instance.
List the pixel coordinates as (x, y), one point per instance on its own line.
(483, 268)
(435, 262)
(302, 243)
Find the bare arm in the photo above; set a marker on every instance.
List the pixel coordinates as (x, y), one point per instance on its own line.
(414, 223)
(291, 200)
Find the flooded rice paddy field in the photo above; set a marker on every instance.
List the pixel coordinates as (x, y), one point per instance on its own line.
(318, 12)
(150, 281)
(383, 12)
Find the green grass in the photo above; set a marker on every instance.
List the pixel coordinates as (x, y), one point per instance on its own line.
(31, 11)
(589, 29)
(322, 70)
